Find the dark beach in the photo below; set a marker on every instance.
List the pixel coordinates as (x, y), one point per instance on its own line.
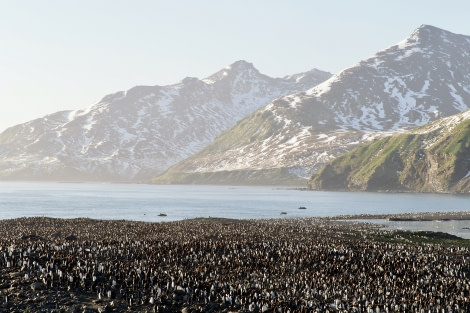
(220, 265)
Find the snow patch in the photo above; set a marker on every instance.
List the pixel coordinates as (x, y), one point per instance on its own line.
(294, 101)
(459, 103)
(322, 88)
(165, 101)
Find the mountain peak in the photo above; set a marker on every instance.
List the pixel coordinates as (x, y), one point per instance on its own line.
(189, 79)
(233, 69)
(426, 27)
(427, 34)
(307, 76)
(408, 84)
(241, 65)
(135, 134)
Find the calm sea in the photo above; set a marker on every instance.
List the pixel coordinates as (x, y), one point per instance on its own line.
(146, 202)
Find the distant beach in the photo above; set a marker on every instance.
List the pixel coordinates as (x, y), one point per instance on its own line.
(421, 216)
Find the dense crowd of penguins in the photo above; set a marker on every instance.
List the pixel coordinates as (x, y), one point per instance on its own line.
(285, 265)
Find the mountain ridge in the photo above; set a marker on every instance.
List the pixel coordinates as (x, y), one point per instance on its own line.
(398, 88)
(135, 134)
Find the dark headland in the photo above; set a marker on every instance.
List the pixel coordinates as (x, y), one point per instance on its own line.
(223, 265)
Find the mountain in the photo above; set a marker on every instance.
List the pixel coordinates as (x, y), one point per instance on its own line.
(432, 158)
(136, 134)
(418, 80)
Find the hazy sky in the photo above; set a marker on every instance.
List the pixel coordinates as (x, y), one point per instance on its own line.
(63, 54)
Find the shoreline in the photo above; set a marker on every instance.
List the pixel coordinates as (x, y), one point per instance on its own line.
(420, 216)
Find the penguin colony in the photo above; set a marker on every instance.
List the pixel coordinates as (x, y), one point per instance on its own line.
(279, 265)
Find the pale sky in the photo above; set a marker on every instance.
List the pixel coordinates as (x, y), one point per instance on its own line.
(64, 55)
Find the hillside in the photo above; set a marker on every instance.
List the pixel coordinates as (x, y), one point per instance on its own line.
(134, 135)
(418, 80)
(432, 158)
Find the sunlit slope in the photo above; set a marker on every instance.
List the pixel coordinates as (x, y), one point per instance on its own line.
(418, 80)
(433, 158)
(261, 150)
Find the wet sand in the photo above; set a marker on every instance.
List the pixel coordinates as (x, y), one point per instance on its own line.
(220, 265)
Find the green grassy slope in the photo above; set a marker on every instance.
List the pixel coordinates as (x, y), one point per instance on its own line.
(429, 159)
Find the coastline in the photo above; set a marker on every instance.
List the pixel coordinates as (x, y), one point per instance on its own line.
(421, 216)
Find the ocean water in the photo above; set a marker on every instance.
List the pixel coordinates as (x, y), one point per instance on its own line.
(145, 202)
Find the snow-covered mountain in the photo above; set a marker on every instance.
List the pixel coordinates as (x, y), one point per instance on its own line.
(422, 78)
(136, 134)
